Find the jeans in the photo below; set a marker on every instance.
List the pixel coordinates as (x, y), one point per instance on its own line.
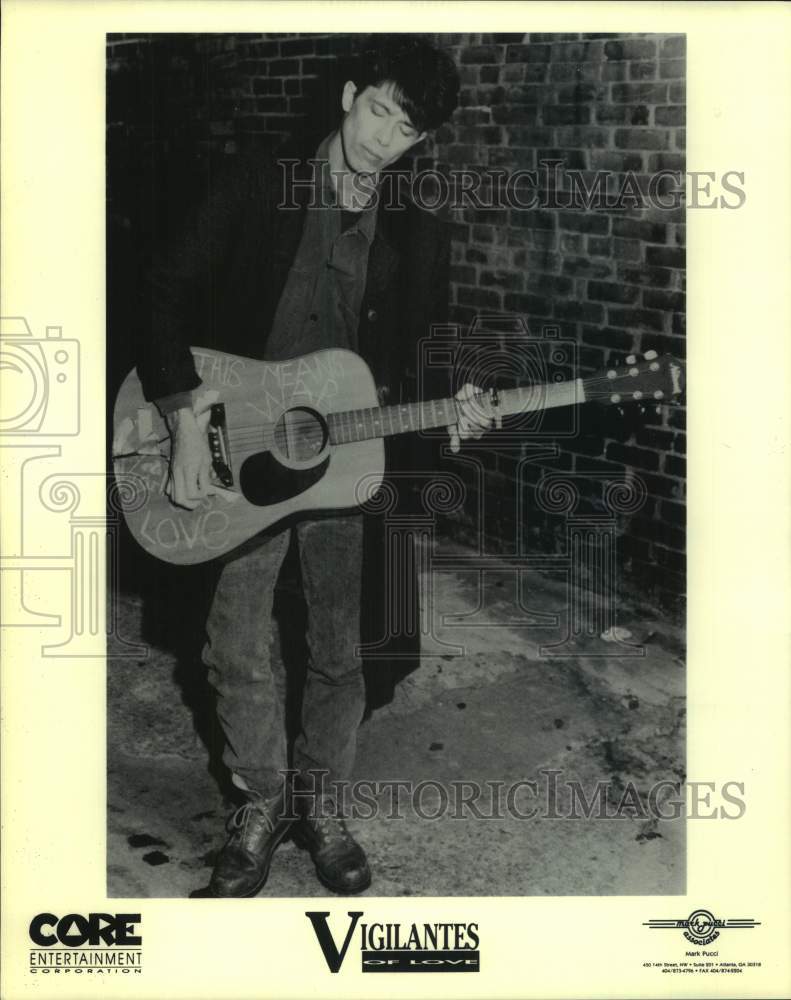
(237, 654)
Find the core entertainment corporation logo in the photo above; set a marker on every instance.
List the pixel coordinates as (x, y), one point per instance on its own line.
(76, 944)
(401, 947)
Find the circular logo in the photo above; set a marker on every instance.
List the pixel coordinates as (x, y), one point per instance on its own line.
(701, 924)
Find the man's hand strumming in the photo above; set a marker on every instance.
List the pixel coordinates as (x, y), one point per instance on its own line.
(190, 460)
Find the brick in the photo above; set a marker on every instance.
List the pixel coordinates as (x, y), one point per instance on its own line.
(482, 234)
(476, 256)
(654, 437)
(576, 52)
(668, 301)
(635, 318)
(297, 46)
(614, 71)
(641, 138)
(584, 267)
(572, 242)
(651, 232)
(680, 138)
(549, 284)
(637, 458)
(490, 74)
(674, 513)
(573, 159)
(667, 256)
(530, 94)
(539, 238)
(672, 114)
(639, 93)
(599, 246)
(530, 136)
(617, 162)
(313, 67)
(653, 277)
(580, 93)
(674, 46)
(537, 260)
(672, 69)
(675, 465)
(566, 114)
(642, 71)
(680, 444)
(488, 135)
(502, 279)
(528, 305)
(630, 48)
(563, 72)
(289, 67)
(527, 53)
(667, 161)
(679, 324)
(613, 114)
(609, 291)
(532, 218)
(472, 116)
(607, 337)
(478, 297)
(535, 72)
(462, 275)
(482, 54)
(677, 417)
(270, 104)
(585, 312)
(677, 93)
(584, 223)
(584, 138)
(514, 114)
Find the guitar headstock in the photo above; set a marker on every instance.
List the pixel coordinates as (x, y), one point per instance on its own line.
(652, 379)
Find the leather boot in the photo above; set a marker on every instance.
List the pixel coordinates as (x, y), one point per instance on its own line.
(340, 862)
(256, 829)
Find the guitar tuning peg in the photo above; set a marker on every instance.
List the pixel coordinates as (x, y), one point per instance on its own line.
(631, 360)
(650, 355)
(620, 410)
(658, 409)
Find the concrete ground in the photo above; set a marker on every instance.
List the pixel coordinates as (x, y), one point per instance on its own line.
(503, 712)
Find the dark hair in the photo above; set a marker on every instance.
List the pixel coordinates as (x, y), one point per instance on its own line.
(425, 79)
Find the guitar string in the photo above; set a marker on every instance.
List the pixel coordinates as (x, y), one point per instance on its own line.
(344, 420)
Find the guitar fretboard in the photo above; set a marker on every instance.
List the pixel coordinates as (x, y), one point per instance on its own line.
(384, 421)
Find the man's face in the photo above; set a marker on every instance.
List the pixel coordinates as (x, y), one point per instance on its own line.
(375, 131)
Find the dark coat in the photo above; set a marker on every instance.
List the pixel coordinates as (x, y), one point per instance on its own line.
(218, 284)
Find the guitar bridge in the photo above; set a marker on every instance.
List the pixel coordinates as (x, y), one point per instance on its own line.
(219, 446)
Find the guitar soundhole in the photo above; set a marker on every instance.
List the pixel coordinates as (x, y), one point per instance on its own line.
(301, 435)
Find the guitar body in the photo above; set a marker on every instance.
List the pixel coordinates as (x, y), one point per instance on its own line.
(271, 444)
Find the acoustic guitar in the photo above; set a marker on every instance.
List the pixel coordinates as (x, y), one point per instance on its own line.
(305, 435)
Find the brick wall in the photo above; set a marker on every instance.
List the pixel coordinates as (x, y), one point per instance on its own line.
(609, 279)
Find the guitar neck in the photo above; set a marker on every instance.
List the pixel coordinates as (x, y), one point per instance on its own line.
(385, 421)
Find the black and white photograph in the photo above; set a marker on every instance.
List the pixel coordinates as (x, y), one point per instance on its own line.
(396, 340)
(387, 585)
